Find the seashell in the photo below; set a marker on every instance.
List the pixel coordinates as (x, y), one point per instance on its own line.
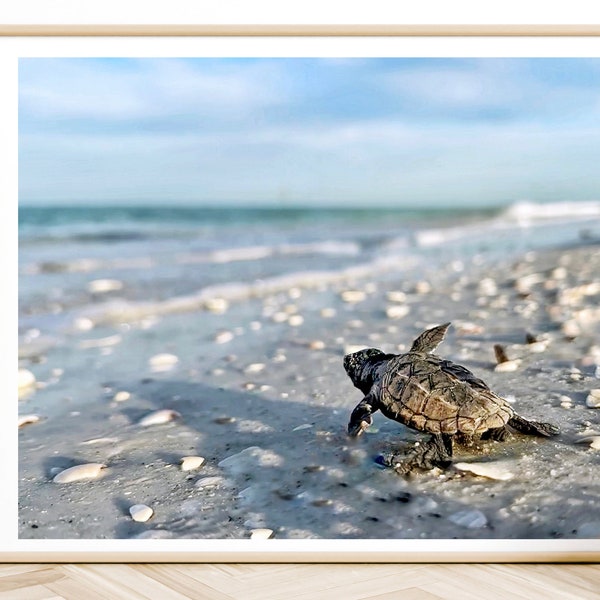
(353, 296)
(507, 366)
(328, 313)
(189, 463)
(104, 342)
(280, 317)
(79, 473)
(254, 368)
(422, 287)
(209, 481)
(261, 534)
(301, 427)
(397, 311)
(121, 396)
(592, 440)
(83, 324)
(316, 345)
(158, 417)
(296, 320)
(593, 399)
(163, 362)
(102, 440)
(217, 305)
(101, 286)
(396, 296)
(471, 519)
(26, 379)
(491, 470)
(571, 329)
(223, 337)
(487, 287)
(140, 512)
(27, 420)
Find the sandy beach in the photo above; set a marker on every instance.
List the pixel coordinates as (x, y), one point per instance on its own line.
(253, 384)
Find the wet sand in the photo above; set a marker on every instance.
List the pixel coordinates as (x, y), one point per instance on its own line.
(258, 390)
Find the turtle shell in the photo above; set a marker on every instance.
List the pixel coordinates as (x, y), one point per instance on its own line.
(431, 394)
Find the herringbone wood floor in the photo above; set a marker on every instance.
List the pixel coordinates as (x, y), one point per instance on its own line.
(298, 582)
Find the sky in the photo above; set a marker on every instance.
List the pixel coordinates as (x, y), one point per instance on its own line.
(307, 132)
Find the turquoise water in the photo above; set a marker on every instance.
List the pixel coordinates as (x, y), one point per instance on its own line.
(158, 254)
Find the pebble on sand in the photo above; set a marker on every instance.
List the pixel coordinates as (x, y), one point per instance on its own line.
(209, 481)
(261, 534)
(592, 440)
(121, 396)
(140, 512)
(254, 368)
(101, 286)
(295, 320)
(158, 417)
(190, 463)
(217, 305)
(79, 473)
(504, 363)
(328, 313)
(163, 362)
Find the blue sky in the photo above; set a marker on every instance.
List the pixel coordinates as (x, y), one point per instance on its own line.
(362, 132)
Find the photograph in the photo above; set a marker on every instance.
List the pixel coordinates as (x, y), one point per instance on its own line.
(308, 298)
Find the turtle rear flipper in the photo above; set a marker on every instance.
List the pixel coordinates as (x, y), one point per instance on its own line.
(533, 427)
(435, 452)
(429, 340)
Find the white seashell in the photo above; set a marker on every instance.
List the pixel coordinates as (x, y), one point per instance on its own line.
(209, 481)
(100, 286)
(223, 337)
(593, 399)
(158, 417)
(79, 473)
(328, 313)
(471, 519)
(396, 296)
(102, 440)
(592, 440)
(26, 379)
(507, 366)
(316, 345)
(571, 329)
(254, 368)
(487, 287)
(163, 362)
(491, 470)
(296, 320)
(539, 346)
(280, 317)
(217, 305)
(104, 342)
(261, 534)
(83, 324)
(422, 287)
(301, 427)
(353, 296)
(121, 396)
(189, 463)
(397, 311)
(140, 512)
(27, 420)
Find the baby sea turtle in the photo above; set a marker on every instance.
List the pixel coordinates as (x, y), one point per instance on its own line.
(432, 394)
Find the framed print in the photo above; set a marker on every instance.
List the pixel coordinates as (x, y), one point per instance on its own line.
(288, 297)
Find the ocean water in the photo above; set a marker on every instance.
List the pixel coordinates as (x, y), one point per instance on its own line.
(165, 259)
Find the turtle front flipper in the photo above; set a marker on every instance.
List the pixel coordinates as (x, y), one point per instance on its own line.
(361, 418)
(533, 427)
(429, 340)
(435, 452)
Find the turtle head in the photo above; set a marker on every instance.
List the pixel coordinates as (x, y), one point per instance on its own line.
(359, 366)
